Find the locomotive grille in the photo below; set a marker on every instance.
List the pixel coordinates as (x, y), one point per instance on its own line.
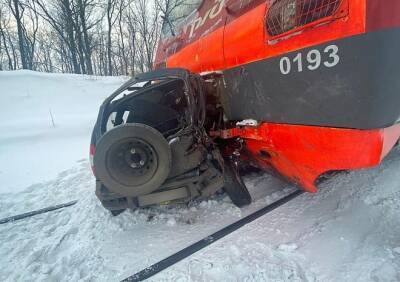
(286, 15)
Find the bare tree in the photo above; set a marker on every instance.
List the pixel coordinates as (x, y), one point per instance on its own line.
(4, 37)
(131, 38)
(60, 17)
(44, 57)
(121, 41)
(85, 9)
(112, 16)
(30, 30)
(68, 23)
(148, 28)
(18, 10)
(82, 36)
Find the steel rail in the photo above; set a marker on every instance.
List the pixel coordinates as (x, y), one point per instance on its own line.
(195, 247)
(33, 213)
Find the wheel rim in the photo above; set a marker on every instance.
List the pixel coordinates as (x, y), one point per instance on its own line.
(132, 162)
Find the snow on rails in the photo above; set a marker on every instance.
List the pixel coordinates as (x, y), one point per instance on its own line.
(184, 253)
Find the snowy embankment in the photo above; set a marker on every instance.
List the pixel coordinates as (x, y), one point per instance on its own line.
(45, 123)
(349, 231)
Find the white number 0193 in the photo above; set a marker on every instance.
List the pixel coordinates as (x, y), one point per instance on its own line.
(314, 60)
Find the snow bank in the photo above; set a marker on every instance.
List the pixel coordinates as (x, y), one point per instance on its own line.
(45, 123)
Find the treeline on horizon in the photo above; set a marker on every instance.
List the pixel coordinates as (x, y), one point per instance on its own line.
(100, 37)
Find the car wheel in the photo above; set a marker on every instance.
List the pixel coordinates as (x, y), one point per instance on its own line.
(234, 185)
(132, 159)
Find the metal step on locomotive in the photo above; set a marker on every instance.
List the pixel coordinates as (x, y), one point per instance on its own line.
(298, 87)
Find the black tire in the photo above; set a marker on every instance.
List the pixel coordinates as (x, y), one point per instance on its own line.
(234, 186)
(132, 159)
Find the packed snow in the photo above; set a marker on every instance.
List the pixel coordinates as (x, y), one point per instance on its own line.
(348, 231)
(45, 123)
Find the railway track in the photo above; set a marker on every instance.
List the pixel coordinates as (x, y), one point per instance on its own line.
(36, 212)
(152, 270)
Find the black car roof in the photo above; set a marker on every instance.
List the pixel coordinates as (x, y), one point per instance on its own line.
(153, 75)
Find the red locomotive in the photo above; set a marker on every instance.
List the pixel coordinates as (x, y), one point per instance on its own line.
(320, 75)
(302, 87)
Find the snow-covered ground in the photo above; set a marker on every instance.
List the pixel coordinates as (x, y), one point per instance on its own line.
(45, 123)
(349, 231)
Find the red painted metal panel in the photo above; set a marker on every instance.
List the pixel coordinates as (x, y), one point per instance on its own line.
(383, 14)
(303, 153)
(245, 38)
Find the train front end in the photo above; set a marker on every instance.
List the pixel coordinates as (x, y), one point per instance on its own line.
(319, 78)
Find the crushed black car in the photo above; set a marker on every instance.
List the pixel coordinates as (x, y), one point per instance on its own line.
(150, 144)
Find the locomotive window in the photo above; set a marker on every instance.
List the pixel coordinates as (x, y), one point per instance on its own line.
(286, 15)
(176, 13)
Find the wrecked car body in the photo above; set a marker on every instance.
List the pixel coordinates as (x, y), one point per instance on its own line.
(150, 144)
